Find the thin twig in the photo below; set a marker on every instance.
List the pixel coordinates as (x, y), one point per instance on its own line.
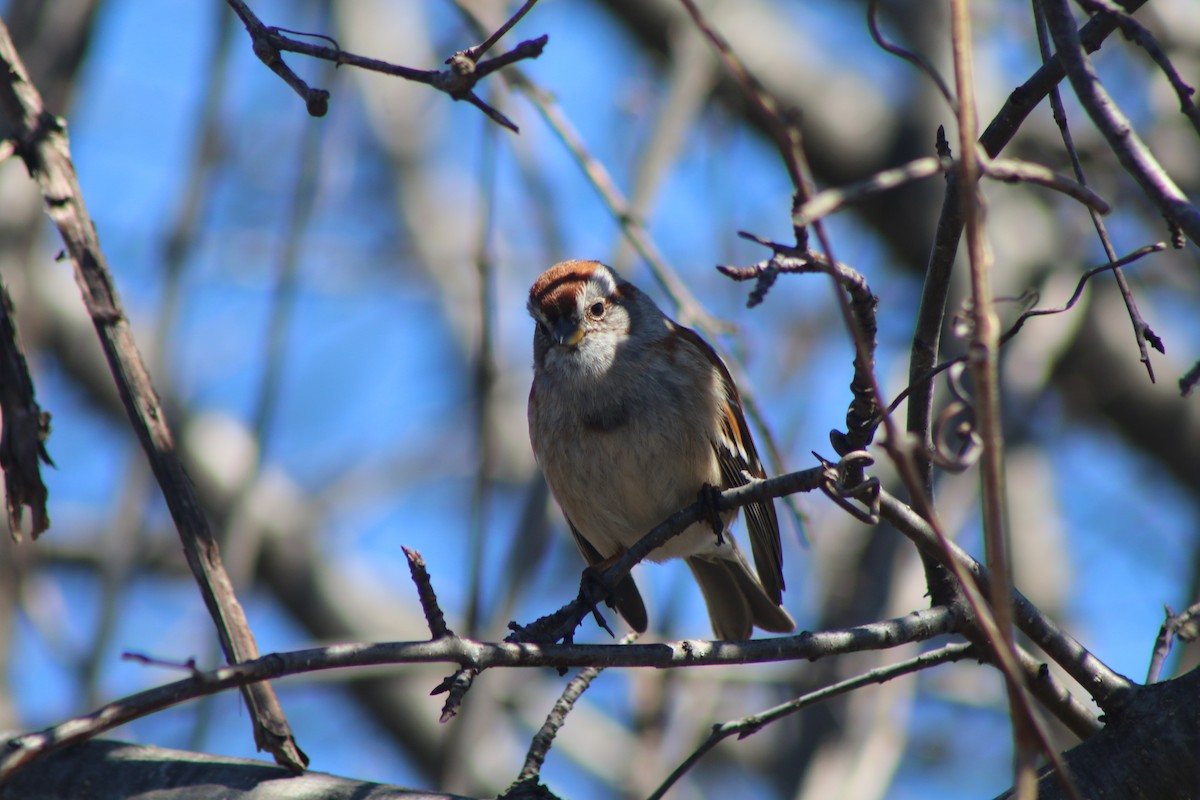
(1017, 324)
(1136, 255)
(1173, 625)
(478, 50)
(916, 59)
(1028, 738)
(455, 687)
(826, 202)
(750, 725)
(1010, 170)
(1162, 646)
(459, 81)
(544, 738)
(429, 603)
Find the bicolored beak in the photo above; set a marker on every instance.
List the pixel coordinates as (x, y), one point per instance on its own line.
(566, 331)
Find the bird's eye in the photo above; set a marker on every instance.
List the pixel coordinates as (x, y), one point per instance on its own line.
(543, 328)
(597, 310)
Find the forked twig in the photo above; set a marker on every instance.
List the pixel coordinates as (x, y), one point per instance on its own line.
(1182, 625)
(1141, 330)
(458, 81)
(1118, 131)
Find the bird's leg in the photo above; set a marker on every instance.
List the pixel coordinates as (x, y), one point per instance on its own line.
(707, 498)
(593, 589)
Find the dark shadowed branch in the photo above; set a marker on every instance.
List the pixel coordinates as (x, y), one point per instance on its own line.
(24, 428)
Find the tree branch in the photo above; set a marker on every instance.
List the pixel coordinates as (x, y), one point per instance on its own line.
(917, 626)
(1129, 148)
(459, 81)
(752, 724)
(43, 145)
(1109, 689)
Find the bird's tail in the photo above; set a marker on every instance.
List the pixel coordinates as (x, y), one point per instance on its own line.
(736, 600)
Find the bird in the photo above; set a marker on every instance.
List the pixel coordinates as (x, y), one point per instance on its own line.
(631, 418)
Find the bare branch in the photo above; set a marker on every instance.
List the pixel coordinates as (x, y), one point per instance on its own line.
(1109, 689)
(478, 50)
(1141, 330)
(1129, 148)
(1139, 35)
(557, 717)
(824, 203)
(916, 59)
(46, 152)
(429, 602)
(459, 81)
(915, 627)
(750, 725)
(1182, 625)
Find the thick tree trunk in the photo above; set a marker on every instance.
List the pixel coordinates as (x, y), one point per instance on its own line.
(1151, 751)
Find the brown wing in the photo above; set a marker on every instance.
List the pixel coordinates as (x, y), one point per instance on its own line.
(739, 463)
(625, 597)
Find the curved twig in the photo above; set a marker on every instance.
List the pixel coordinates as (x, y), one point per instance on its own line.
(752, 724)
(916, 59)
(1136, 255)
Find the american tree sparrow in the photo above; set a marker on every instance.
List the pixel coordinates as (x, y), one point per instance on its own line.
(631, 416)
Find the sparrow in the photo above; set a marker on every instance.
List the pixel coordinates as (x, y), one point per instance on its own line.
(631, 417)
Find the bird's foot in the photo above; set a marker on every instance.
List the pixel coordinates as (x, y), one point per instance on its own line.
(707, 498)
